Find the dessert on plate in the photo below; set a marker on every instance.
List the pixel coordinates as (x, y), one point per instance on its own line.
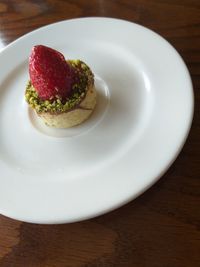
(61, 91)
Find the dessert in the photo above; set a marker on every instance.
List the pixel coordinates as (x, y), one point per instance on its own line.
(61, 91)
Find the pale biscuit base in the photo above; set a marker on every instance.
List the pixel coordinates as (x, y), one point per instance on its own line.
(75, 116)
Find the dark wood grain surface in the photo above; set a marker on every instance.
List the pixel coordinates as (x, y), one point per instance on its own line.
(161, 228)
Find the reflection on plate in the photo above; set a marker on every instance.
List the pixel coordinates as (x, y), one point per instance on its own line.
(144, 112)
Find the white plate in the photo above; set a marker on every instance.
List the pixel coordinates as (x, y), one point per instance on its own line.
(144, 112)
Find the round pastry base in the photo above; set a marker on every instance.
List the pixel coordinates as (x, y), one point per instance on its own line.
(72, 117)
(78, 121)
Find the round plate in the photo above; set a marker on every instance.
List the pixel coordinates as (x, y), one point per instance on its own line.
(142, 118)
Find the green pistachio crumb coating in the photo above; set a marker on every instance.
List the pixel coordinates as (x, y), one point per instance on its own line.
(79, 90)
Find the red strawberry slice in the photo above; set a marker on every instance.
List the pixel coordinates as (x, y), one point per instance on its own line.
(50, 74)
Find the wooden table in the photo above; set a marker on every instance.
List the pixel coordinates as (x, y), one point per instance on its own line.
(161, 228)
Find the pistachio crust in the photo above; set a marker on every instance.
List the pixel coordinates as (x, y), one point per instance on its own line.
(83, 78)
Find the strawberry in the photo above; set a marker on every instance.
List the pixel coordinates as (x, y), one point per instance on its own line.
(50, 74)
